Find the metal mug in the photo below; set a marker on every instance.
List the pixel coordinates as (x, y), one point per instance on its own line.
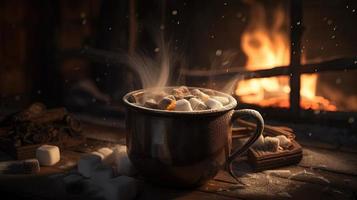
(183, 149)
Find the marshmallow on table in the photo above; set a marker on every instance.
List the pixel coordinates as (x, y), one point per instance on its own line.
(122, 162)
(88, 163)
(214, 104)
(183, 105)
(48, 155)
(97, 154)
(271, 144)
(122, 187)
(108, 156)
(284, 142)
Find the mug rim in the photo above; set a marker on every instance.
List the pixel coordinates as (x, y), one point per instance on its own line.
(232, 103)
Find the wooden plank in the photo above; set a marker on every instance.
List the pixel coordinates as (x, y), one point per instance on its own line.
(328, 160)
(267, 186)
(294, 182)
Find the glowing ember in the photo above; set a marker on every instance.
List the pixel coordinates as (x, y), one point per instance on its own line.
(267, 46)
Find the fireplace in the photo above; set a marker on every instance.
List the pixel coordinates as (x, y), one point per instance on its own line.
(285, 73)
(279, 78)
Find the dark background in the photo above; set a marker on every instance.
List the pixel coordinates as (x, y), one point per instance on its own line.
(37, 36)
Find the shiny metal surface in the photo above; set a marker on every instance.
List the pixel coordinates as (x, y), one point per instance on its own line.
(182, 149)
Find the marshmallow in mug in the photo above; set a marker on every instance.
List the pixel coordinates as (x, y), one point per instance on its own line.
(151, 103)
(197, 104)
(223, 100)
(214, 104)
(181, 92)
(204, 97)
(183, 105)
(167, 103)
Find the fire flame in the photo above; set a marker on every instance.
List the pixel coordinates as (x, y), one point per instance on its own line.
(267, 46)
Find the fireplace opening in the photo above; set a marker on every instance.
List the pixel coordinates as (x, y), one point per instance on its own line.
(296, 59)
(267, 46)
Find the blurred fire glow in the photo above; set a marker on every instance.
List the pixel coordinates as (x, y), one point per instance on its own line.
(267, 46)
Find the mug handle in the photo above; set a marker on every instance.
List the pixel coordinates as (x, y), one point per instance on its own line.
(258, 131)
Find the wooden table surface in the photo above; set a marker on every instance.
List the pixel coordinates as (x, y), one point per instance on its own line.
(324, 173)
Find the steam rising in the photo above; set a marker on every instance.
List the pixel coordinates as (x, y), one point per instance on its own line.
(158, 70)
(152, 72)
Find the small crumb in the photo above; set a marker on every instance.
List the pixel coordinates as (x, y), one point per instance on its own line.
(218, 52)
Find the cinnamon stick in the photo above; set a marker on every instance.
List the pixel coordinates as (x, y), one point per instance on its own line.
(51, 115)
